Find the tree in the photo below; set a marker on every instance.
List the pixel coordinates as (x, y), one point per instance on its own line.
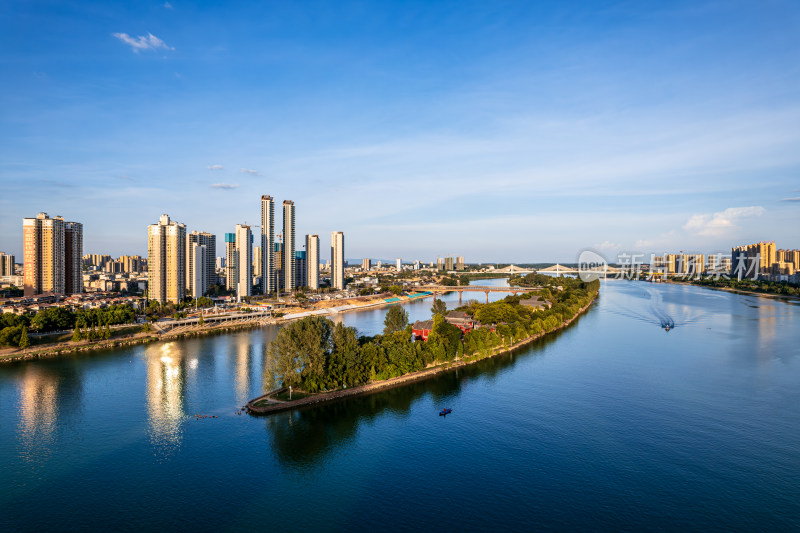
(395, 289)
(300, 352)
(107, 332)
(76, 334)
(24, 342)
(396, 320)
(200, 321)
(439, 307)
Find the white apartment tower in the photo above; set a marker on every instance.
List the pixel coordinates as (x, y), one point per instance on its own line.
(399, 264)
(198, 277)
(312, 261)
(166, 263)
(209, 276)
(289, 281)
(268, 281)
(244, 261)
(337, 260)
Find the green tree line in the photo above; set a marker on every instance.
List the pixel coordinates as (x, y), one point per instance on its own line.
(315, 354)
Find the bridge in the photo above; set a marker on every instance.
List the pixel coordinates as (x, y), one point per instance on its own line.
(460, 289)
(187, 324)
(561, 269)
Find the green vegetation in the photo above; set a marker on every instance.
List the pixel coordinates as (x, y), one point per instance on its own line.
(452, 281)
(765, 287)
(24, 342)
(396, 319)
(314, 354)
(438, 307)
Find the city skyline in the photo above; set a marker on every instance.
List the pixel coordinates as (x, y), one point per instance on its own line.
(614, 128)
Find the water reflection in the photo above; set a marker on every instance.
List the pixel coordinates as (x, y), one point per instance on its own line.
(166, 375)
(304, 438)
(46, 397)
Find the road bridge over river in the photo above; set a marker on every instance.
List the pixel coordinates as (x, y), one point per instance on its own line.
(460, 289)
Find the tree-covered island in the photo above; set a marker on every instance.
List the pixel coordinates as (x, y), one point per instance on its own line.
(316, 355)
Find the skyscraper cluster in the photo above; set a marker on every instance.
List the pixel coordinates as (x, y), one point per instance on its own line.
(181, 264)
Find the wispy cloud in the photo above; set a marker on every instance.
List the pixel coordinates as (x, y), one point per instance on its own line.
(249, 171)
(608, 245)
(795, 199)
(720, 223)
(167, 5)
(215, 167)
(224, 185)
(55, 183)
(142, 42)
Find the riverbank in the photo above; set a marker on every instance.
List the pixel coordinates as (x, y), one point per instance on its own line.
(56, 349)
(739, 291)
(266, 404)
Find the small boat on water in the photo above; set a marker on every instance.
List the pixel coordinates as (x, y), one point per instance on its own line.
(445, 412)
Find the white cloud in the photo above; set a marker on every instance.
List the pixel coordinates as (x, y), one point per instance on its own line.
(142, 42)
(224, 185)
(167, 5)
(722, 222)
(249, 171)
(215, 167)
(795, 199)
(608, 245)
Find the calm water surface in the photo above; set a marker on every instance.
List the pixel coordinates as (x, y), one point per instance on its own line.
(612, 424)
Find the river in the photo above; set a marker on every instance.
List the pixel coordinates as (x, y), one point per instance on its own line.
(613, 423)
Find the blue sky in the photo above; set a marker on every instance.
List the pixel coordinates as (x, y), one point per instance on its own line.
(516, 131)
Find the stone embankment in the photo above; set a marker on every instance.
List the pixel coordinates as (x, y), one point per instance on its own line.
(265, 405)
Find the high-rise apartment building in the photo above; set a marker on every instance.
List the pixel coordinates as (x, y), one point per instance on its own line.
(300, 268)
(460, 263)
(399, 264)
(230, 261)
(278, 254)
(439, 263)
(257, 261)
(337, 260)
(166, 262)
(312, 261)
(6, 264)
(208, 277)
(197, 282)
(366, 264)
(244, 261)
(268, 279)
(52, 253)
(289, 279)
(449, 264)
(73, 257)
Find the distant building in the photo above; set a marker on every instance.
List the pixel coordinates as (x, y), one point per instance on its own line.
(366, 264)
(244, 261)
(230, 261)
(289, 280)
(208, 277)
(449, 264)
(257, 257)
(267, 261)
(53, 251)
(300, 268)
(460, 263)
(399, 264)
(7, 262)
(166, 263)
(198, 278)
(312, 261)
(337, 260)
